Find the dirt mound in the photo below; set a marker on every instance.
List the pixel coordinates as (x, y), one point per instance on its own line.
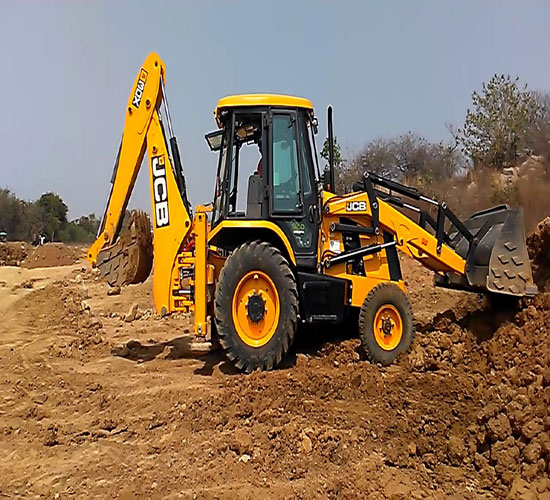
(498, 356)
(53, 254)
(538, 244)
(12, 254)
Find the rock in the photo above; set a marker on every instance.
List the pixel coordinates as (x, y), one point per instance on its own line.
(113, 291)
(512, 375)
(412, 448)
(445, 343)
(456, 450)
(530, 429)
(78, 278)
(42, 398)
(506, 455)
(532, 311)
(131, 315)
(499, 427)
(84, 306)
(244, 458)
(396, 489)
(532, 452)
(306, 444)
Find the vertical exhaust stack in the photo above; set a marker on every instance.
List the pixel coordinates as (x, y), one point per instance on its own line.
(331, 149)
(328, 174)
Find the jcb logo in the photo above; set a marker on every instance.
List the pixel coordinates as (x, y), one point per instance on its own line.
(139, 88)
(160, 191)
(356, 206)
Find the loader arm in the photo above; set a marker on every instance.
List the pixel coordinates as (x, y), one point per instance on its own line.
(485, 252)
(172, 224)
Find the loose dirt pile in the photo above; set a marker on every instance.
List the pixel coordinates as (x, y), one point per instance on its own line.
(53, 254)
(538, 244)
(464, 415)
(13, 253)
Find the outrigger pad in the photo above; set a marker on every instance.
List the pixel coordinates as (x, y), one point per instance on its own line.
(130, 259)
(509, 267)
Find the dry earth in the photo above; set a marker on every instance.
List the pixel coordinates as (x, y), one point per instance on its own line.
(99, 400)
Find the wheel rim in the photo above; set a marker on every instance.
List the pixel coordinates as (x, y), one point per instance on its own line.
(256, 308)
(388, 327)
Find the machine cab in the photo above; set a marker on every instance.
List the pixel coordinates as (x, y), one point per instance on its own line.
(266, 167)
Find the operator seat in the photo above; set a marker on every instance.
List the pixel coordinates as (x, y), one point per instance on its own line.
(253, 198)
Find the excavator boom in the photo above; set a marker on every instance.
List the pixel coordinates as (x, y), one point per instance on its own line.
(123, 249)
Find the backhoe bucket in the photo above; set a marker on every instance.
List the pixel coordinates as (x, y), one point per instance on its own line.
(130, 259)
(497, 258)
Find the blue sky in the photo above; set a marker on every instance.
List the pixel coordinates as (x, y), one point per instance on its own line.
(387, 67)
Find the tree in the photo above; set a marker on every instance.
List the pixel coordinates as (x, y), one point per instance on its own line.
(338, 160)
(83, 230)
(53, 213)
(408, 157)
(538, 135)
(495, 130)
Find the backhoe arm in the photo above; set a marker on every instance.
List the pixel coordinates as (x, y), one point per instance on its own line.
(144, 129)
(144, 99)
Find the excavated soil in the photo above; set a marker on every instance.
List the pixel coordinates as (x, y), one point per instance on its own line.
(52, 255)
(13, 253)
(49, 255)
(100, 399)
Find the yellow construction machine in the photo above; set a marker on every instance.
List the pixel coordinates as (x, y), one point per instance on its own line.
(278, 246)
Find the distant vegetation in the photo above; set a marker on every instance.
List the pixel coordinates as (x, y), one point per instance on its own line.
(47, 216)
(506, 125)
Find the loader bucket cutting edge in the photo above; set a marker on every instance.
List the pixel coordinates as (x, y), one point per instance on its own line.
(497, 260)
(130, 259)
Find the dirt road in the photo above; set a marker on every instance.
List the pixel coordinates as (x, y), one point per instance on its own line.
(98, 401)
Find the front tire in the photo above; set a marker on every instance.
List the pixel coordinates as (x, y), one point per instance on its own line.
(386, 324)
(256, 307)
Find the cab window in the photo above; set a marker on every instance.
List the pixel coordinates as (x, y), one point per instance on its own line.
(285, 174)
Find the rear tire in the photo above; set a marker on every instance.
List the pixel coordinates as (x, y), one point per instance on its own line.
(385, 324)
(256, 307)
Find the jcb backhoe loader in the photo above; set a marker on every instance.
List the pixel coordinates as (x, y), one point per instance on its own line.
(278, 246)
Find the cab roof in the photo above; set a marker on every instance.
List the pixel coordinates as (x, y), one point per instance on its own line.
(234, 101)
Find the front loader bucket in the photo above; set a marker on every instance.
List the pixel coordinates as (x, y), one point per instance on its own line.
(497, 258)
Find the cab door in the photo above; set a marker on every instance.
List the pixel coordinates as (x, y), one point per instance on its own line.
(292, 193)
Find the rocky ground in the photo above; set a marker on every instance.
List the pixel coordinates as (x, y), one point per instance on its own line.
(100, 399)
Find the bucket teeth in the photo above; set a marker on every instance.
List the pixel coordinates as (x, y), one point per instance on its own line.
(510, 246)
(503, 259)
(509, 262)
(517, 261)
(498, 285)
